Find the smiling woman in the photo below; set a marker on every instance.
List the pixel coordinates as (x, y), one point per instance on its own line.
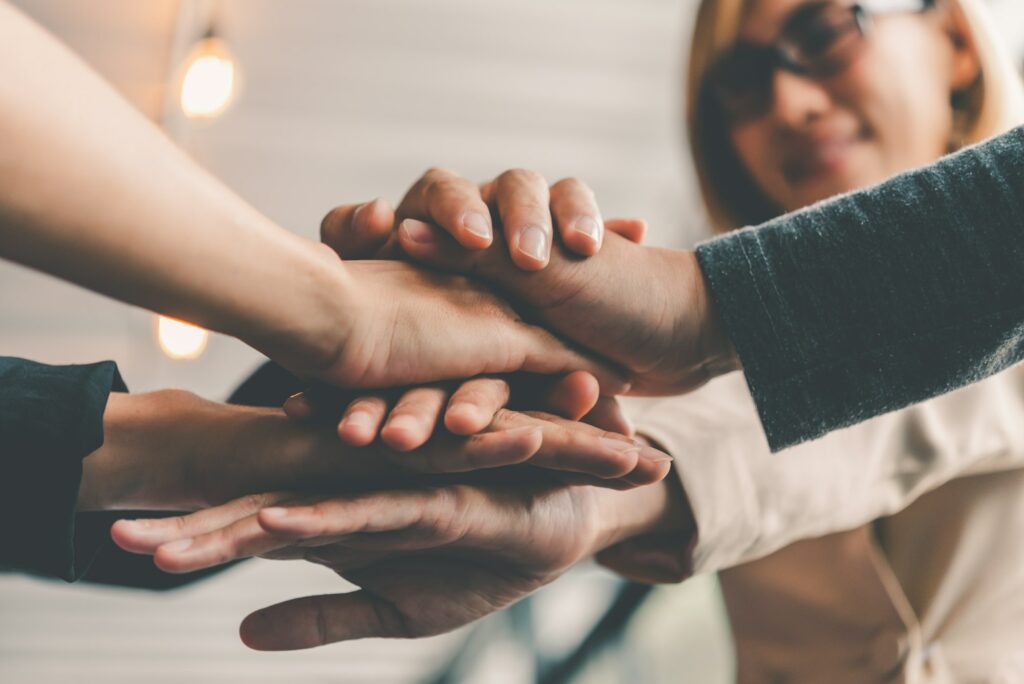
(823, 65)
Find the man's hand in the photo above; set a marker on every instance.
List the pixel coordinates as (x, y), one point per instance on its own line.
(174, 451)
(427, 561)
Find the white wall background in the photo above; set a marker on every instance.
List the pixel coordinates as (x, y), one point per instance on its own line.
(345, 100)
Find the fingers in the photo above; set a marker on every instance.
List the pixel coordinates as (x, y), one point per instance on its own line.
(523, 202)
(575, 211)
(447, 200)
(317, 620)
(412, 420)
(145, 536)
(317, 523)
(633, 230)
(607, 414)
(573, 396)
(362, 419)
(358, 231)
(563, 446)
(474, 404)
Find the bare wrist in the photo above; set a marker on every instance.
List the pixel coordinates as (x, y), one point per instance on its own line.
(304, 322)
(656, 509)
(149, 440)
(715, 351)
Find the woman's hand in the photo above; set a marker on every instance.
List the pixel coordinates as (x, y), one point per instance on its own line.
(427, 560)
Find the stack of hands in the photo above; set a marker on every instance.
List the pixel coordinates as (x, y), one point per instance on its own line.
(446, 501)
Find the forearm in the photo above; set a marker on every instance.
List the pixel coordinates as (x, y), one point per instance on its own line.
(881, 298)
(172, 450)
(93, 192)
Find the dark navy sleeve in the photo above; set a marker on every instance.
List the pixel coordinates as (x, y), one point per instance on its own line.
(881, 298)
(51, 417)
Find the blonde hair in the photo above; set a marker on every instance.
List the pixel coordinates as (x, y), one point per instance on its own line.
(992, 105)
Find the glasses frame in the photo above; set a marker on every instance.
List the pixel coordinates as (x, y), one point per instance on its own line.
(781, 54)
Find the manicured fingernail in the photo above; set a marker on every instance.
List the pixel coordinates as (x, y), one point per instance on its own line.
(589, 227)
(418, 231)
(359, 419)
(177, 546)
(533, 242)
(404, 423)
(620, 445)
(477, 224)
(276, 513)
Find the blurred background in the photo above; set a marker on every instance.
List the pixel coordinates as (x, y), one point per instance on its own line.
(306, 104)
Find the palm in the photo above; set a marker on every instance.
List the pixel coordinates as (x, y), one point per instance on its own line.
(474, 552)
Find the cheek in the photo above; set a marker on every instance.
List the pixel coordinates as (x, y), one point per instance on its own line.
(753, 145)
(900, 93)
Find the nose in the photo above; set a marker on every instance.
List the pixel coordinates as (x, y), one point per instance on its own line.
(797, 99)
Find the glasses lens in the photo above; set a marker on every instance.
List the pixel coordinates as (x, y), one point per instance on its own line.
(741, 82)
(823, 38)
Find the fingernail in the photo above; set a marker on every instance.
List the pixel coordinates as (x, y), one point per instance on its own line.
(589, 227)
(477, 224)
(297, 395)
(276, 512)
(358, 419)
(404, 423)
(141, 523)
(359, 215)
(176, 546)
(619, 445)
(419, 232)
(652, 455)
(533, 242)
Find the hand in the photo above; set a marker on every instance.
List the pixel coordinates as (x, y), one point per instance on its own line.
(404, 420)
(427, 561)
(175, 451)
(519, 199)
(407, 326)
(646, 309)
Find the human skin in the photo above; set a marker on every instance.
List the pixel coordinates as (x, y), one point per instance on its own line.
(172, 450)
(387, 604)
(889, 111)
(92, 192)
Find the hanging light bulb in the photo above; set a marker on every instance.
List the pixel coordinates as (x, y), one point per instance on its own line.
(180, 340)
(210, 78)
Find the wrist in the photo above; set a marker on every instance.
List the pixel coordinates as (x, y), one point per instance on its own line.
(148, 441)
(304, 323)
(715, 351)
(658, 509)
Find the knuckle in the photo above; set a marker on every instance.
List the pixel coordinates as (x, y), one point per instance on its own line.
(522, 176)
(254, 501)
(435, 173)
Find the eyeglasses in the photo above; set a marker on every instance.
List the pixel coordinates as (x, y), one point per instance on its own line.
(817, 41)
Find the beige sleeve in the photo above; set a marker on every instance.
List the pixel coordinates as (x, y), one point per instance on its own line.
(748, 502)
